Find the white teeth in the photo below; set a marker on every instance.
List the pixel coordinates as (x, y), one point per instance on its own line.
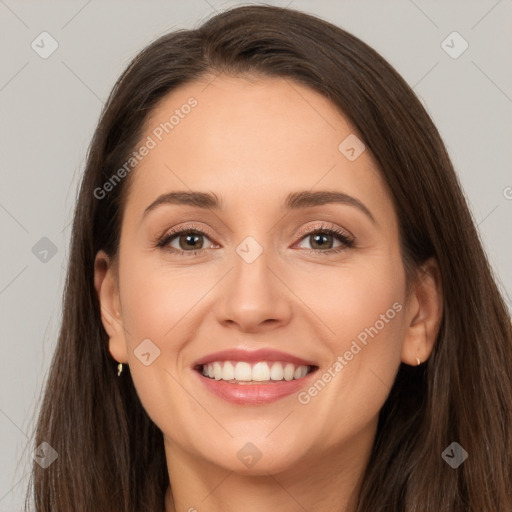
(228, 372)
(217, 370)
(261, 371)
(276, 372)
(243, 371)
(289, 371)
(300, 372)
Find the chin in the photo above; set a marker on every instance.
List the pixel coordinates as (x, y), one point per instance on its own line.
(256, 458)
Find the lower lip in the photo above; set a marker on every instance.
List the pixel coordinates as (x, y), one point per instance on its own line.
(254, 394)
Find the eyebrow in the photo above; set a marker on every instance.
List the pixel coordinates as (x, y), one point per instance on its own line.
(294, 201)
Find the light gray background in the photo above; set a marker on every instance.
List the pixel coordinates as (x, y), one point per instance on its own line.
(49, 109)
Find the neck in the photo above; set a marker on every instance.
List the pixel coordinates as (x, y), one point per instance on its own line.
(328, 481)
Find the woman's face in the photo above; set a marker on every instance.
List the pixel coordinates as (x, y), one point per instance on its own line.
(259, 271)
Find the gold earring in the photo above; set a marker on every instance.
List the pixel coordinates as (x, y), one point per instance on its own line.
(419, 362)
(119, 369)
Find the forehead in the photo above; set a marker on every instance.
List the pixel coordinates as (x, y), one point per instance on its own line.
(251, 141)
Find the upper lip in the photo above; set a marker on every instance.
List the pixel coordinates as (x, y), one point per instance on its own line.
(244, 354)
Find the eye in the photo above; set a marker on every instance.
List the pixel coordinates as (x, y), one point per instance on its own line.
(189, 238)
(321, 239)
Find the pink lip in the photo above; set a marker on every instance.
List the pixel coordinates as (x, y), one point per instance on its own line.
(250, 356)
(253, 394)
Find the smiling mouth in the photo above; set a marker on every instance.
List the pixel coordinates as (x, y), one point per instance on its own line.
(260, 372)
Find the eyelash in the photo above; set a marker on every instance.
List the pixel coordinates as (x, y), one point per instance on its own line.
(347, 242)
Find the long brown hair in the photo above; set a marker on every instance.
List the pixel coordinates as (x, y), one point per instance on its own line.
(111, 455)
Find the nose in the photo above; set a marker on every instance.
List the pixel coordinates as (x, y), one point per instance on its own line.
(253, 296)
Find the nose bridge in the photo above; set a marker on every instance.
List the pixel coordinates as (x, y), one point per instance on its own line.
(251, 274)
(252, 293)
(255, 249)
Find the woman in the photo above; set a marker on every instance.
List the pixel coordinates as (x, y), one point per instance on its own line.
(208, 359)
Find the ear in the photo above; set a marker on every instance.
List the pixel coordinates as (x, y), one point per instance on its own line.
(423, 314)
(107, 289)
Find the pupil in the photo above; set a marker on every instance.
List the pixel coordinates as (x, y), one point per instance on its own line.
(189, 237)
(317, 236)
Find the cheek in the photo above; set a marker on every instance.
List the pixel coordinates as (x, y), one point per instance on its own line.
(158, 306)
(357, 301)
(363, 308)
(370, 310)
(156, 299)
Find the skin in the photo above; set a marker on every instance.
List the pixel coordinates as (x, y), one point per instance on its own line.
(252, 142)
